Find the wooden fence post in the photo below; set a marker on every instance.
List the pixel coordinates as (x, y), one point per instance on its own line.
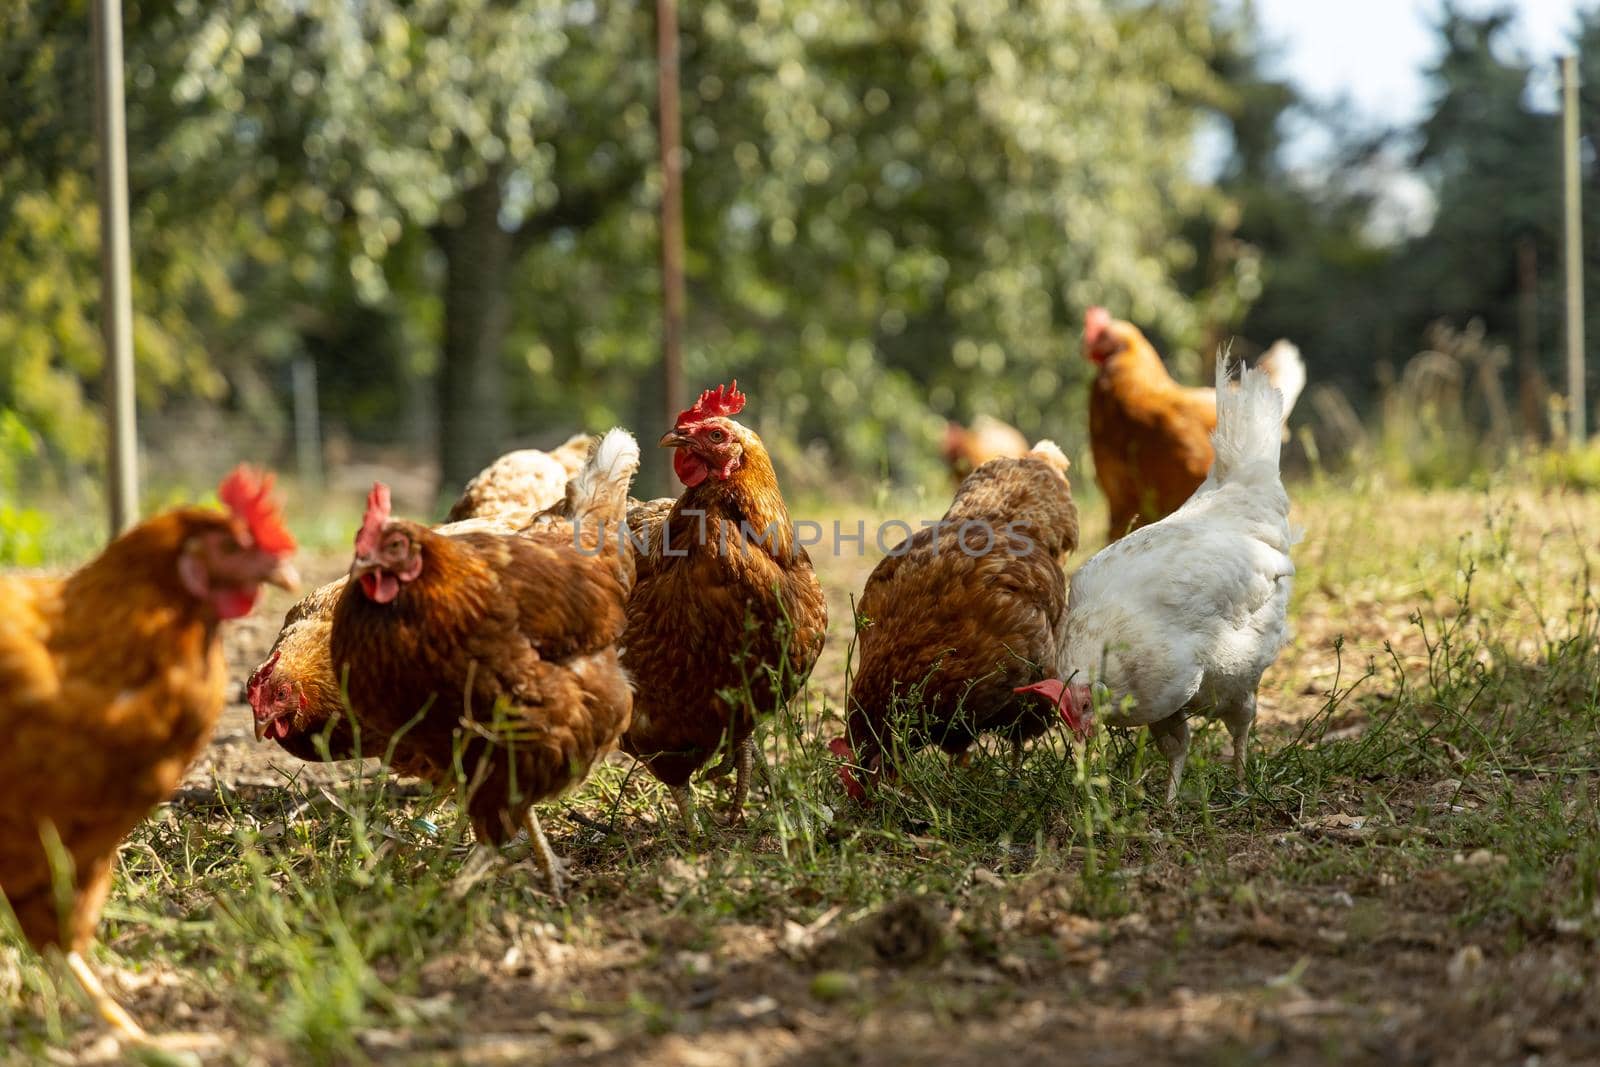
(116, 294)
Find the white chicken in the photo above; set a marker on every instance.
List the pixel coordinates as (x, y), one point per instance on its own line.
(1183, 616)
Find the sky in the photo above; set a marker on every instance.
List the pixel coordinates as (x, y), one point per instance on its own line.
(1373, 54)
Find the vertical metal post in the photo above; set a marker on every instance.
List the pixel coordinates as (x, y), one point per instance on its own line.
(307, 423)
(1573, 249)
(116, 294)
(672, 290)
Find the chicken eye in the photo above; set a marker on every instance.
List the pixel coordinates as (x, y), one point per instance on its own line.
(396, 544)
(716, 437)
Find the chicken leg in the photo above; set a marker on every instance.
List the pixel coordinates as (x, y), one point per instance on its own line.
(1172, 738)
(544, 855)
(479, 865)
(745, 757)
(683, 797)
(114, 1015)
(1238, 722)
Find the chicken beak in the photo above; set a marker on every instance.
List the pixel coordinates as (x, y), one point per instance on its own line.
(263, 725)
(673, 439)
(284, 576)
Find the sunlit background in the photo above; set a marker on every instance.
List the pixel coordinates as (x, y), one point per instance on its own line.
(441, 220)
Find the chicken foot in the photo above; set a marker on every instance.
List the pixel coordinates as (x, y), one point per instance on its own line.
(683, 797)
(484, 859)
(122, 1025)
(480, 864)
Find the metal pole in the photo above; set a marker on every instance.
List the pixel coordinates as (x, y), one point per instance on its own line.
(1573, 249)
(307, 423)
(672, 290)
(116, 293)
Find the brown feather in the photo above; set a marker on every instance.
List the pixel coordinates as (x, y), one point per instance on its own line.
(954, 620)
(722, 616)
(110, 683)
(503, 646)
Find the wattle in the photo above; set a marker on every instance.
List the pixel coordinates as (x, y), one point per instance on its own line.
(690, 468)
(380, 586)
(233, 603)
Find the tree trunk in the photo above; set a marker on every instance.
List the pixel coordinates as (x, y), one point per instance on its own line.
(472, 400)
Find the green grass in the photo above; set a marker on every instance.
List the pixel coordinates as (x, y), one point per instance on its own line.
(1427, 754)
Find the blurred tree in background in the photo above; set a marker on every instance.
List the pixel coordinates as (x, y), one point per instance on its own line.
(893, 216)
(896, 214)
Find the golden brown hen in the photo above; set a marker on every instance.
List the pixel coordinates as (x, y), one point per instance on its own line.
(1150, 436)
(494, 652)
(968, 448)
(727, 618)
(111, 680)
(961, 614)
(293, 693)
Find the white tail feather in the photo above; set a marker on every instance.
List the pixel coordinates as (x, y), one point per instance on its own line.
(1287, 371)
(1249, 427)
(600, 489)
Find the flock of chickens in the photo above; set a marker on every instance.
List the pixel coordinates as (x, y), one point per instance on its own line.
(552, 618)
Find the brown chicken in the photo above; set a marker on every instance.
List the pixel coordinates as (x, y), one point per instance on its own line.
(520, 484)
(727, 618)
(1150, 436)
(111, 680)
(495, 649)
(961, 614)
(968, 448)
(294, 694)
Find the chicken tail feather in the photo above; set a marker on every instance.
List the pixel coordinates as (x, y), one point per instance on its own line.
(1287, 371)
(599, 491)
(1249, 421)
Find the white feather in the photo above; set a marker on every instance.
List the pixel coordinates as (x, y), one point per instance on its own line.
(1187, 613)
(602, 484)
(1283, 365)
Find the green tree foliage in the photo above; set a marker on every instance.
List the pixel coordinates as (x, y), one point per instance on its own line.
(897, 212)
(1299, 242)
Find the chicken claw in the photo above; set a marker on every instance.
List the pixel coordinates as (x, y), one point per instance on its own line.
(1172, 738)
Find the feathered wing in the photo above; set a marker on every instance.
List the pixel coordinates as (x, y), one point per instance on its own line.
(573, 452)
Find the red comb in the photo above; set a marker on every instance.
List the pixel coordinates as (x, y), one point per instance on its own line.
(372, 522)
(723, 400)
(1096, 321)
(258, 678)
(247, 493)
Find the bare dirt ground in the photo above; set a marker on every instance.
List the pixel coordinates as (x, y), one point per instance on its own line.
(1348, 926)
